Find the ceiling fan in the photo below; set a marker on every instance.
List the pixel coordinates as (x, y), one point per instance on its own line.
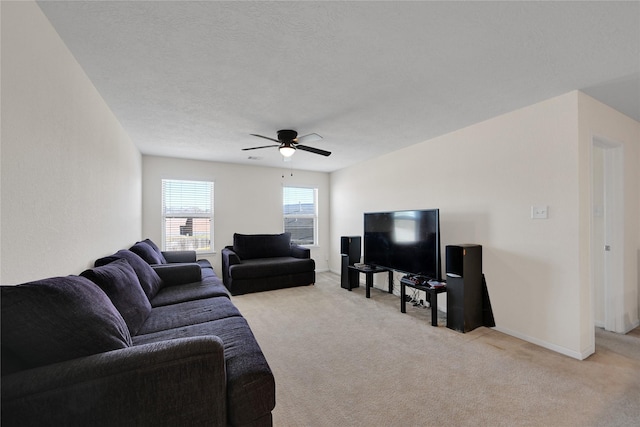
(288, 142)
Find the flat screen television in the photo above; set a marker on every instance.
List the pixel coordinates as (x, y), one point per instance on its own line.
(405, 241)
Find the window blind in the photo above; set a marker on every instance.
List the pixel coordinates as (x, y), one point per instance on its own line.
(187, 211)
(300, 214)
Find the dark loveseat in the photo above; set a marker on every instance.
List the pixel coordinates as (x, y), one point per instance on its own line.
(262, 262)
(127, 344)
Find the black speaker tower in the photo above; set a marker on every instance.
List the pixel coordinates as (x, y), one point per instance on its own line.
(350, 247)
(464, 287)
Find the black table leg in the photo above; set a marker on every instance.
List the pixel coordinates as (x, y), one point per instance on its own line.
(434, 308)
(403, 302)
(369, 282)
(390, 281)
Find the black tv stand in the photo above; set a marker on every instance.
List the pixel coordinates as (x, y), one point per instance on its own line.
(369, 271)
(422, 284)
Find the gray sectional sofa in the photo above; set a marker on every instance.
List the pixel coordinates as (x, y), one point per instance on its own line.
(263, 262)
(126, 343)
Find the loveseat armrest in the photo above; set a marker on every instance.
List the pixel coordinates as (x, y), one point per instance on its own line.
(178, 274)
(175, 382)
(298, 251)
(179, 256)
(229, 258)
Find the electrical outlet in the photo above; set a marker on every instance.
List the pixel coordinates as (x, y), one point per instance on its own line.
(539, 212)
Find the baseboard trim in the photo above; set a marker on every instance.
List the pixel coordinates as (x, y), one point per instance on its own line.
(554, 347)
(632, 326)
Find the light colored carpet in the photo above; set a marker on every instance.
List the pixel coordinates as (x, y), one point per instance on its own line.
(340, 359)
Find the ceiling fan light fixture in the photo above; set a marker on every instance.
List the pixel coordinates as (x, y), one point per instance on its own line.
(288, 142)
(287, 150)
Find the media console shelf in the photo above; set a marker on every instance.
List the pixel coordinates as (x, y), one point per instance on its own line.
(369, 272)
(432, 294)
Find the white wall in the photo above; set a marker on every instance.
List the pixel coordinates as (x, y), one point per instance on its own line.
(71, 177)
(248, 199)
(484, 179)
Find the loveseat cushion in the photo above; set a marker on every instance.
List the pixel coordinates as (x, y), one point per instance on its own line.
(149, 279)
(250, 246)
(148, 251)
(268, 267)
(58, 319)
(120, 282)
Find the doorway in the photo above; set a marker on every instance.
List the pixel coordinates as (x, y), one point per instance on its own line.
(607, 225)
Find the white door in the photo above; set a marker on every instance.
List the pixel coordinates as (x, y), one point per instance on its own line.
(607, 234)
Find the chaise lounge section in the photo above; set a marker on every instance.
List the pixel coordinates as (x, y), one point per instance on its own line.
(263, 262)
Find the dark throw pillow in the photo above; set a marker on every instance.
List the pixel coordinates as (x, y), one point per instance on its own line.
(155, 248)
(120, 282)
(58, 319)
(148, 252)
(149, 279)
(250, 246)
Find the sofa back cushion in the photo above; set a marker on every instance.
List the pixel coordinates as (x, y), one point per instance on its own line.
(120, 282)
(148, 251)
(58, 319)
(149, 279)
(251, 246)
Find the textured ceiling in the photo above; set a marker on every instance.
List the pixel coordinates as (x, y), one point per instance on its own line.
(194, 79)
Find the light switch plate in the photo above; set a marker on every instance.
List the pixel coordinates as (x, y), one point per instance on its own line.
(539, 212)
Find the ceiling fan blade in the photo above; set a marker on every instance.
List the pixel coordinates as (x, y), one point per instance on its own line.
(308, 138)
(265, 137)
(313, 150)
(257, 148)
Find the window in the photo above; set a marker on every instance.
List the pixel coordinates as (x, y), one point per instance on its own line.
(187, 215)
(300, 212)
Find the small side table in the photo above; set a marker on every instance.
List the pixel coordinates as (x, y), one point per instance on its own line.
(369, 272)
(431, 292)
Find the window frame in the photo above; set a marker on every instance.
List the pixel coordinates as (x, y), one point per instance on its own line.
(313, 216)
(193, 215)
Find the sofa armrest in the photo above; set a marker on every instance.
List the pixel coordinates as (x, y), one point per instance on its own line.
(178, 274)
(179, 256)
(175, 382)
(298, 251)
(229, 258)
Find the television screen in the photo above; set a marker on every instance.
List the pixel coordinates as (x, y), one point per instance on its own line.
(405, 241)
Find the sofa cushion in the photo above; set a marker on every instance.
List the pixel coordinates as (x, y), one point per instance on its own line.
(120, 282)
(149, 279)
(147, 252)
(173, 257)
(206, 288)
(250, 246)
(188, 313)
(251, 389)
(177, 274)
(58, 319)
(154, 247)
